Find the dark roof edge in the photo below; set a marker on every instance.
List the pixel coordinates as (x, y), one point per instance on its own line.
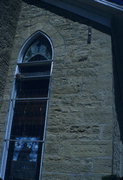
(110, 4)
(97, 12)
(86, 12)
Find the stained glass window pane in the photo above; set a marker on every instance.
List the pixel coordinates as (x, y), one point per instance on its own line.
(39, 50)
(24, 159)
(28, 120)
(32, 88)
(25, 141)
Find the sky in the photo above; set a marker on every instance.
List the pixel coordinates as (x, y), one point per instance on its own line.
(120, 2)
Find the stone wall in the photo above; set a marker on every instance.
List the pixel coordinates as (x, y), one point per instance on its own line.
(79, 135)
(9, 11)
(80, 121)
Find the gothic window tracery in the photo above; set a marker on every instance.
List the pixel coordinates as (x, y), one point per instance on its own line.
(40, 49)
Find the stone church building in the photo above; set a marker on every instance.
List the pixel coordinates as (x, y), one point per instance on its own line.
(61, 89)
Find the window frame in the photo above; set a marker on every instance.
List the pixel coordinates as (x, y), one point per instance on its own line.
(24, 47)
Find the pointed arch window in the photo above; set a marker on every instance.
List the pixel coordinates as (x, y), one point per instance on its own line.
(40, 49)
(27, 118)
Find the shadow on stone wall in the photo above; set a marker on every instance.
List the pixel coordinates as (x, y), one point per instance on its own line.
(9, 12)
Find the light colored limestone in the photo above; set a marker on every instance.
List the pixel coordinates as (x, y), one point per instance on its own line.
(81, 116)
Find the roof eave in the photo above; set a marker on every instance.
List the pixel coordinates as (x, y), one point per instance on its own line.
(110, 5)
(96, 10)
